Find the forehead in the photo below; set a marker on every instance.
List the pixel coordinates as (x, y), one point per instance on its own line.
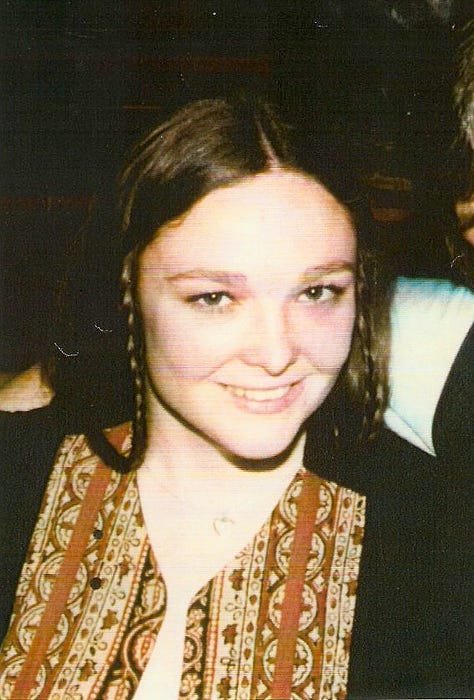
(278, 217)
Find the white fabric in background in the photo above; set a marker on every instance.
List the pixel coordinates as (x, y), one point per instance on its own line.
(430, 319)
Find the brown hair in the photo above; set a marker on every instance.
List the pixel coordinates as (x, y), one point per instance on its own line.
(216, 143)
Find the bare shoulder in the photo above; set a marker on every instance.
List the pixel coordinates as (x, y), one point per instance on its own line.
(24, 391)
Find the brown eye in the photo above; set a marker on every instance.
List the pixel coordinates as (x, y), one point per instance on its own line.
(322, 293)
(210, 299)
(314, 293)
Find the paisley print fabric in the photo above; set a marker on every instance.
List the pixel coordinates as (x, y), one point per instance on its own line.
(115, 608)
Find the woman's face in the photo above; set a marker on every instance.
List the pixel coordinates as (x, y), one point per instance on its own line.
(248, 307)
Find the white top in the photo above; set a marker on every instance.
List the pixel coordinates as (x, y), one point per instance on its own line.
(193, 534)
(430, 319)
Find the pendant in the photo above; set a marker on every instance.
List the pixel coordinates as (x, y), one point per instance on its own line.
(223, 525)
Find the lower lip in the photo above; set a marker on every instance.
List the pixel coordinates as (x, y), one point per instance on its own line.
(270, 406)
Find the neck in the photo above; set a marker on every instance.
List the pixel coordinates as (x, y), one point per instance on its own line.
(185, 463)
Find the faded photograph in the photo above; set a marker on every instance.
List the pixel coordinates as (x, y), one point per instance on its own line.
(236, 350)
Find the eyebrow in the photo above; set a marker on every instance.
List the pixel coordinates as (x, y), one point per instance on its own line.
(214, 275)
(329, 268)
(229, 277)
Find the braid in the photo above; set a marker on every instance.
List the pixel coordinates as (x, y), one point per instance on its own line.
(364, 330)
(135, 349)
(368, 371)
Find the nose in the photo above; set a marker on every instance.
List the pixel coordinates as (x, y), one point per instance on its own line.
(270, 342)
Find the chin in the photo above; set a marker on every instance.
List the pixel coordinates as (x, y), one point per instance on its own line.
(260, 450)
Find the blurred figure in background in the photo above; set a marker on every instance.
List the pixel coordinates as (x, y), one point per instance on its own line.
(464, 101)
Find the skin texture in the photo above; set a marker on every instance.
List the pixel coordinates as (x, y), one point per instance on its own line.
(465, 212)
(253, 289)
(25, 391)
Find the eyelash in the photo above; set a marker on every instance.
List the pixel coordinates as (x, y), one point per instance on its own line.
(334, 291)
(210, 300)
(314, 294)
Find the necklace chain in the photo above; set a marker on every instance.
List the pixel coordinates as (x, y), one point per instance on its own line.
(222, 524)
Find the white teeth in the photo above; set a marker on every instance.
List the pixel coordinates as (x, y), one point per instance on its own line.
(259, 394)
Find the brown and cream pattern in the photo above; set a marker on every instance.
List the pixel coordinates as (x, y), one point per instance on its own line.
(115, 608)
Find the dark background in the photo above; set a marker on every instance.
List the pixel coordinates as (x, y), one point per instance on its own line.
(80, 81)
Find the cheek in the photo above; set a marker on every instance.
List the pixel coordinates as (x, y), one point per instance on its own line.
(328, 340)
(181, 346)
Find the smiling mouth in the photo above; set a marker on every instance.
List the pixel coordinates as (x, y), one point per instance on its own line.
(259, 395)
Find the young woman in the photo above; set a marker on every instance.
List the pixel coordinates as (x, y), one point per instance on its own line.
(237, 540)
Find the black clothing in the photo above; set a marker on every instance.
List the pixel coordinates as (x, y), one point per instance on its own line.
(413, 628)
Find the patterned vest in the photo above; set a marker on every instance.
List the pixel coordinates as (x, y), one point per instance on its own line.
(274, 623)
